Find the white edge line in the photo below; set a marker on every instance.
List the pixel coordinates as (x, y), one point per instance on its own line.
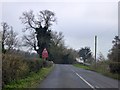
(97, 87)
(84, 80)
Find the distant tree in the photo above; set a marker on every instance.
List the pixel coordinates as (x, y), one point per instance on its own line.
(9, 38)
(114, 53)
(85, 53)
(116, 41)
(25, 54)
(101, 57)
(11, 41)
(59, 53)
(57, 38)
(71, 55)
(5, 27)
(40, 25)
(57, 47)
(114, 56)
(90, 60)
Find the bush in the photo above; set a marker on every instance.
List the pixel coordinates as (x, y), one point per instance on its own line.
(35, 65)
(114, 67)
(13, 68)
(48, 63)
(16, 67)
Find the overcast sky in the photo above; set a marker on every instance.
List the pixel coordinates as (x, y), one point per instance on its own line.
(79, 21)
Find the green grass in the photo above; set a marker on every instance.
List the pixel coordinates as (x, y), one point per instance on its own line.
(100, 70)
(31, 81)
(81, 66)
(112, 75)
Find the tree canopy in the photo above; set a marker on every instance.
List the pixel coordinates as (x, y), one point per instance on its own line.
(85, 53)
(114, 53)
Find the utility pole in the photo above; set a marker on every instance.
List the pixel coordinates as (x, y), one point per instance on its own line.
(95, 47)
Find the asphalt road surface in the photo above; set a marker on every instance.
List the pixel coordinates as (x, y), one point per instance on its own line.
(68, 76)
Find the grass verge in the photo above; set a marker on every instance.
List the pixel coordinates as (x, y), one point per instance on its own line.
(99, 70)
(31, 81)
(82, 66)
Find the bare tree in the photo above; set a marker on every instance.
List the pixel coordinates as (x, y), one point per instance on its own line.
(40, 26)
(101, 57)
(43, 19)
(9, 37)
(5, 28)
(30, 41)
(57, 38)
(11, 41)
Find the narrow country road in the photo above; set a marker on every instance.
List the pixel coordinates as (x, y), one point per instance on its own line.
(68, 76)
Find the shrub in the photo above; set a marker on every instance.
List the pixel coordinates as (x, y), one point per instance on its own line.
(16, 67)
(48, 63)
(35, 65)
(114, 67)
(13, 68)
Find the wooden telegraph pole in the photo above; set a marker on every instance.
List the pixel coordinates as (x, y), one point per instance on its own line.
(95, 48)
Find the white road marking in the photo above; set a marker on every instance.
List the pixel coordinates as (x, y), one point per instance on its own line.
(84, 80)
(97, 87)
(73, 70)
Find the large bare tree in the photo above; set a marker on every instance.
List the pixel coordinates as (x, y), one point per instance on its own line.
(40, 26)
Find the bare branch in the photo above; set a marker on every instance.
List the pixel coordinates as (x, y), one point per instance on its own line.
(9, 37)
(57, 38)
(47, 17)
(28, 19)
(30, 41)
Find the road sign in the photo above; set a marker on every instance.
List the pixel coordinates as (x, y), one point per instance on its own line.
(45, 54)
